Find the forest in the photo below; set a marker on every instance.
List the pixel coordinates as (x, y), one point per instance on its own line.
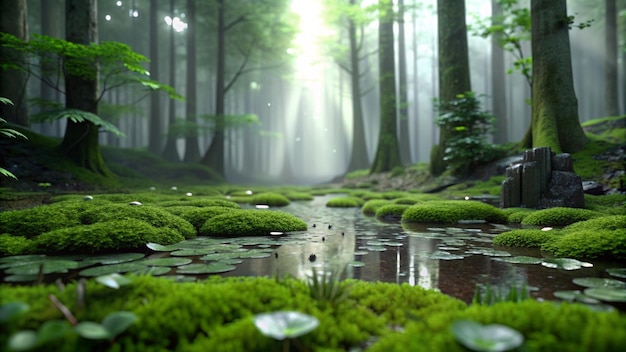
(303, 92)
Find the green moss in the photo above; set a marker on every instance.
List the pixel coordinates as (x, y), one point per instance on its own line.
(298, 196)
(104, 237)
(517, 215)
(203, 202)
(391, 212)
(198, 216)
(590, 168)
(531, 238)
(154, 216)
(559, 216)
(345, 202)
(614, 204)
(270, 198)
(370, 207)
(15, 245)
(452, 211)
(416, 198)
(357, 174)
(251, 222)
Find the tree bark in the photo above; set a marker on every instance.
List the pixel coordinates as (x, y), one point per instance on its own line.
(610, 65)
(52, 15)
(498, 80)
(387, 153)
(155, 135)
(454, 76)
(555, 121)
(13, 15)
(192, 149)
(403, 107)
(80, 142)
(170, 152)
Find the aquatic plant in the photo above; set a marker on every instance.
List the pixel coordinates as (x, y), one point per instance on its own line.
(285, 325)
(391, 212)
(369, 208)
(326, 287)
(490, 294)
(559, 216)
(531, 238)
(345, 202)
(452, 211)
(251, 222)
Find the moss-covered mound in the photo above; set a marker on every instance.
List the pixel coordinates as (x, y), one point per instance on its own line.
(370, 207)
(271, 199)
(297, 196)
(391, 212)
(603, 237)
(31, 222)
(545, 326)
(559, 216)
(531, 238)
(198, 216)
(345, 202)
(251, 222)
(202, 202)
(517, 215)
(452, 211)
(416, 198)
(610, 204)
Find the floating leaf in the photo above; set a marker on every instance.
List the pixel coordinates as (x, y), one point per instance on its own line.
(356, 264)
(285, 324)
(489, 252)
(114, 258)
(116, 322)
(22, 258)
(12, 309)
(211, 268)
(111, 269)
(607, 294)
(20, 278)
(166, 261)
(565, 264)
(92, 331)
(575, 295)
(161, 248)
(49, 267)
(114, 280)
(617, 272)
(492, 338)
(520, 260)
(599, 282)
(191, 252)
(154, 270)
(443, 255)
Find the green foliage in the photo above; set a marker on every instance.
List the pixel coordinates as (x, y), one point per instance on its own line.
(468, 127)
(270, 198)
(77, 116)
(559, 216)
(357, 174)
(517, 215)
(452, 211)
(15, 245)
(10, 133)
(391, 212)
(345, 202)
(325, 286)
(251, 222)
(490, 295)
(371, 206)
(198, 216)
(530, 238)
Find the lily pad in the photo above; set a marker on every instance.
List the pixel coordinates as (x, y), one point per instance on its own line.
(488, 338)
(598, 282)
(356, 264)
(575, 295)
(191, 252)
(211, 268)
(443, 255)
(520, 260)
(20, 278)
(22, 258)
(565, 264)
(49, 267)
(161, 248)
(219, 256)
(607, 294)
(617, 272)
(111, 269)
(114, 258)
(166, 261)
(489, 252)
(285, 324)
(154, 270)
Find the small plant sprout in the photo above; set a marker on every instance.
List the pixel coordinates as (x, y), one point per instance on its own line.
(285, 325)
(486, 338)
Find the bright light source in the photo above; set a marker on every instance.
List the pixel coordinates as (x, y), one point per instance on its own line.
(179, 25)
(119, 3)
(133, 13)
(291, 51)
(255, 85)
(168, 20)
(269, 104)
(107, 17)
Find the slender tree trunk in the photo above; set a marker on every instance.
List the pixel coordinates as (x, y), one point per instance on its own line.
(387, 153)
(498, 79)
(170, 153)
(403, 110)
(610, 65)
(454, 76)
(555, 121)
(214, 156)
(13, 15)
(192, 150)
(52, 15)
(155, 138)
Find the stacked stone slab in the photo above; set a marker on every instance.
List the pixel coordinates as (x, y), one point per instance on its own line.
(542, 180)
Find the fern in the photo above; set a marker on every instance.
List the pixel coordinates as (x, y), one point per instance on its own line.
(77, 116)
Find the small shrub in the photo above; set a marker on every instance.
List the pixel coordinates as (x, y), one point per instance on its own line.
(345, 202)
(559, 216)
(452, 211)
(251, 222)
(205, 202)
(529, 238)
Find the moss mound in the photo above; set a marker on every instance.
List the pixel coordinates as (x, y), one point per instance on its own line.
(614, 204)
(206, 202)
(154, 216)
(298, 196)
(370, 207)
(104, 237)
(391, 212)
(270, 198)
(531, 238)
(34, 221)
(452, 211)
(545, 326)
(517, 215)
(345, 202)
(198, 216)
(559, 216)
(603, 237)
(251, 222)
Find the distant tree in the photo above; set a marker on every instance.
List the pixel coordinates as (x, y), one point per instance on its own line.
(387, 153)
(610, 66)
(192, 149)
(170, 152)
(555, 122)
(498, 82)
(403, 100)
(454, 76)
(155, 135)
(52, 24)
(13, 81)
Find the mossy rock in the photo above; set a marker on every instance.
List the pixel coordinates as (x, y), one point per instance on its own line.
(251, 222)
(559, 216)
(391, 212)
(530, 238)
(517, 215)
(603, 237)
(345, 202)
(546, 327)
(198, 216)
(104, 237)
(370, 207)
(453, 211)
(155, 216)
(270, 198)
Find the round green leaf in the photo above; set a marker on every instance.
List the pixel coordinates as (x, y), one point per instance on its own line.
(211, 268)
(20, 278)
(161, 248)
(154, 270)
(92, 331)
(565, 264)
(111, 269)
(12, 309)
(575, 295)
(116, 322)
(285, 324)
(607, 294)
(23, 340)
(51, 330)
(520, 260)
(617, 272)
(108, 259)
(599, 282)
(49, 267)
(114, 280)
(166, 261)
(487, 338)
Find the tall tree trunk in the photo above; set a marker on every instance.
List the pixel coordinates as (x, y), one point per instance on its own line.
(403, 110)
(192, 150)
(610, 66)
(52, 15)
(214, 156)
(555, 121)
(359, 158)
(155, 137)
(498, 80)
(13, 15)
(387, 153)
(170, 153)
(80, 142)
(454, 76)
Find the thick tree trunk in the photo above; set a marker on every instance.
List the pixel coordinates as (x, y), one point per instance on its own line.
(498, 80)
(403, 110)
(387, 153)
(555, 121)
(155, 135)
(170, 152)
(192, 149)
(80, 142)
(454, 76)
(12, 82)
(610, 66)
(52, 16)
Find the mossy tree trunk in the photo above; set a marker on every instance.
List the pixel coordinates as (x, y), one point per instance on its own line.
(454, 75)
(554, 121)
(80, 142)
(387, 153)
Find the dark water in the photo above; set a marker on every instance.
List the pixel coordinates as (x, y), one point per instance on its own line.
(397, 254)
